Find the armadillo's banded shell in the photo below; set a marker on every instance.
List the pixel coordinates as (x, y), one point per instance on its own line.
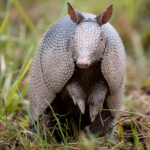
(38, 89)
(114, 100)
(113, 67)
(52, 67)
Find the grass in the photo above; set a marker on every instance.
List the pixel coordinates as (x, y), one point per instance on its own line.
(135, 136)
(24, 15)
(22, 24)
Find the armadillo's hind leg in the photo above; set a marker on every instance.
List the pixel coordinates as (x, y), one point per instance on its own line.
(48, 121)
(77, 94)
(105, 126)
(96, 98)
(44, 122)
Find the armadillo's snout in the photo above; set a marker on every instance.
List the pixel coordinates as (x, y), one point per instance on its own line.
(83, 63)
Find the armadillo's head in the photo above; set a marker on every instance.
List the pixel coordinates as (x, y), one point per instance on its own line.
(88, 41)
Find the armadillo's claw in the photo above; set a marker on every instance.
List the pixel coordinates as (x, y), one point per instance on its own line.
(81, 104)
(93, 113)
(74, 100)
(77, 94)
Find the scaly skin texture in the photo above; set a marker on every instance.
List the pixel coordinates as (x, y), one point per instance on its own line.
(65, 44)
(113, 68)
(52, 67)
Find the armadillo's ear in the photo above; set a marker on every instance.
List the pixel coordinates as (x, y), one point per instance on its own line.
(104, 17)
(75, 16)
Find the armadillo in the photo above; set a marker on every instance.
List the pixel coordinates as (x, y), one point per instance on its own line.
(80, 66)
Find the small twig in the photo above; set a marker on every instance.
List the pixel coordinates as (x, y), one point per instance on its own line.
(144, 137)
(100, 138)
(101, 118)
(59, 133)
(138, 126)
(107, 119)
(124, 112)
(122, 142)
(141, 128)
(76, 143)
(41, 121)
(47, 130)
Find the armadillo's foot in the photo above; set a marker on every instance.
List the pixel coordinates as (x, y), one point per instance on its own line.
(95, 105)
(77, 94)
(103, 124)
(96, 99)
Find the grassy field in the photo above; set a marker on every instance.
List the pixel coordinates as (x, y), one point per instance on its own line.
(22, 25)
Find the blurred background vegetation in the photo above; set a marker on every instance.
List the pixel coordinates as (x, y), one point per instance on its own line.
(23, 23)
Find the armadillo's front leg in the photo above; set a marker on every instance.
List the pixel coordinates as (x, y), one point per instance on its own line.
(77, 94)
(96, 98)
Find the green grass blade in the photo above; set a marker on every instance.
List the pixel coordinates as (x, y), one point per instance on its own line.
(24, 15)
(9, 139)
(135, 135)
(37, 135)
(17, 84)
(110, 139)
(59, 125)
(120, 132)
(28, 56)
(4, 23)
